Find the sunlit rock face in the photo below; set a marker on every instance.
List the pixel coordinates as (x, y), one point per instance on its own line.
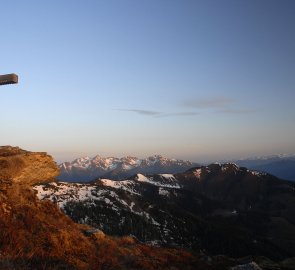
(24, 167)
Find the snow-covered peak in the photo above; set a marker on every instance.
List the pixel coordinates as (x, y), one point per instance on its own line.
(160, 180)
(257, 173)
(97, 157)
(167, 175)
(155, 157)
(83, 162)
(276, 156)
(82, 159)
(128, 160)
(228, 166)
(87, 169)
(198, 173)
(142, 178)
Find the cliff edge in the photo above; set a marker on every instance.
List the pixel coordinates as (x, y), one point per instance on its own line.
(24, 167)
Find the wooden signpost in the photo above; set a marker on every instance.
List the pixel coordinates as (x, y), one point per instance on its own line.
(8, 79)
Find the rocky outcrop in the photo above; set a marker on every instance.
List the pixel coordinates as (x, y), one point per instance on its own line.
(247, 266)
(24, 167)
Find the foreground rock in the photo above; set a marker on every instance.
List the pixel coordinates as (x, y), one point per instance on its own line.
(24, 167)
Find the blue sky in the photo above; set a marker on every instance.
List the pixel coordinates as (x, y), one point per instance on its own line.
(199, 80)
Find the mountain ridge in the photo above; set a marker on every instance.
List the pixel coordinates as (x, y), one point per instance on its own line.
(242, 208)
(87, 169)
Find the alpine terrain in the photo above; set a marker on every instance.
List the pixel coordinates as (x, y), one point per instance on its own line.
(35, 234)
(218, 209)
(87, 169)
(210, 217)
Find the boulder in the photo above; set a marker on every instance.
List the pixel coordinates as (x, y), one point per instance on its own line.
(24, 167)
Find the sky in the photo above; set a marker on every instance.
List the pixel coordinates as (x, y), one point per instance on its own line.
(191, 79)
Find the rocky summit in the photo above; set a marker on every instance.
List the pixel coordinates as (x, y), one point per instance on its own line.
(24, 167)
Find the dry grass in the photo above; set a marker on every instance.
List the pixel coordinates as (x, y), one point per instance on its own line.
(36, 234)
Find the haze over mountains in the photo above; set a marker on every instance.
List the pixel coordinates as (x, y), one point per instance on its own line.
(282, 166)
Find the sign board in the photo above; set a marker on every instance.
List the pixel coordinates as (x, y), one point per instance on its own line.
(8, 79)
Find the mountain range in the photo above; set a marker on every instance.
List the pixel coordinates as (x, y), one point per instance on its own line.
(87, 169)
(219, 209)
(282, 166)
(214, 217)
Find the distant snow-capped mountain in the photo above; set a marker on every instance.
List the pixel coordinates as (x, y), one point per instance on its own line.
(87, 169)
(282, 165)
(262, 159)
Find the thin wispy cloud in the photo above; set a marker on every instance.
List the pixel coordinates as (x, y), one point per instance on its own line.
(179, 114)
(212, 102)
(219, 104)
(159, 114)
(142, 112)
(237, 111)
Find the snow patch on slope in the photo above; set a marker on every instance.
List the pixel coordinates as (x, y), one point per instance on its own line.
(198, 173)
(127, 185)
(167, 180)
(62, 193)
(169, 176)
(163, 192)
(142, 178)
